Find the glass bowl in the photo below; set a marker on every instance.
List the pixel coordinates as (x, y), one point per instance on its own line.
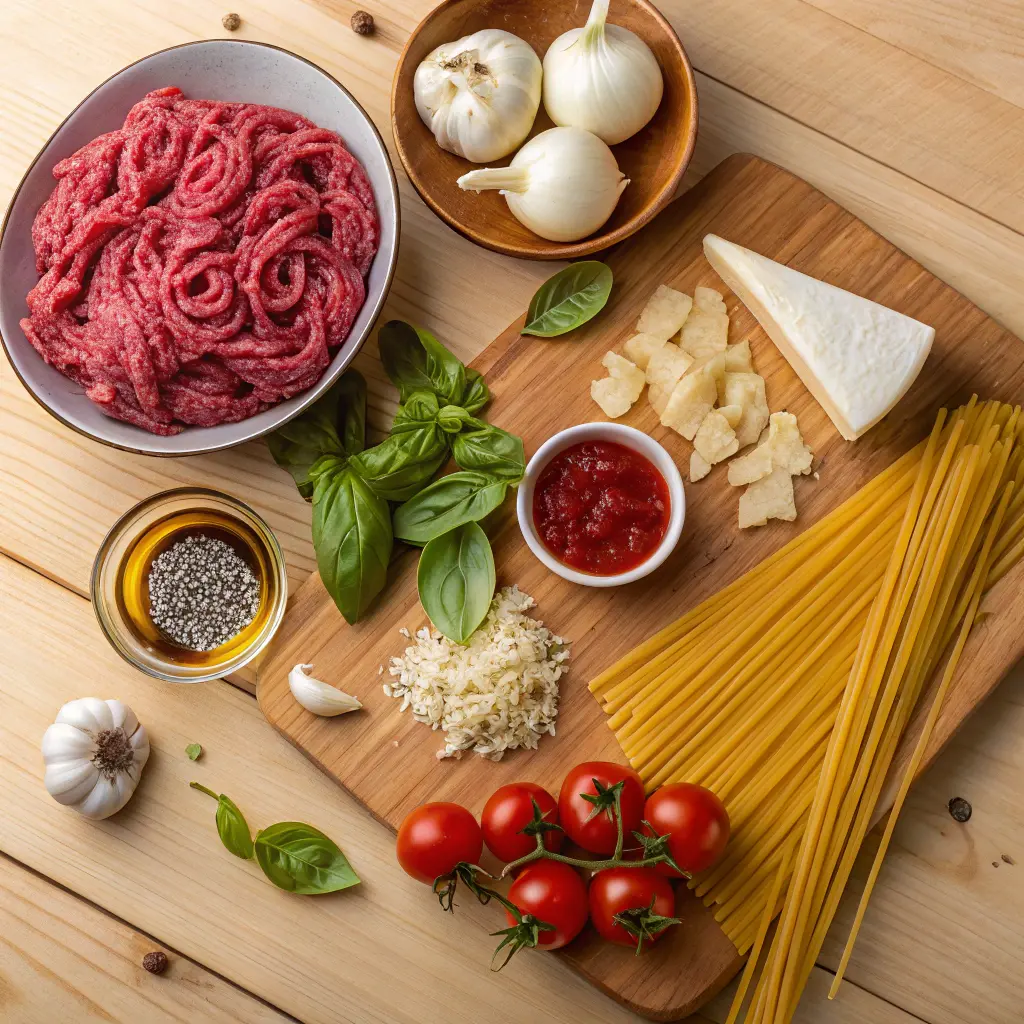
(120, 574)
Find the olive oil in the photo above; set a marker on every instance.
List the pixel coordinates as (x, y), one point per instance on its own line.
(132, 586)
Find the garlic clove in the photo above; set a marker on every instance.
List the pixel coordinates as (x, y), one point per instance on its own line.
(318, 697)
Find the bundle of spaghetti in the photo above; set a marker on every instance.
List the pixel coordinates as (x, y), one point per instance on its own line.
(787, 693)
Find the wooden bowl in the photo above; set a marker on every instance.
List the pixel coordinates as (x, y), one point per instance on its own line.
(654, 159)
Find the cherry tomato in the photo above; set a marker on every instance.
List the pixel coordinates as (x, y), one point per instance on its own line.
(509, 811)
(697, 822)
(598, 834)
(435, 837)
(553, 893)
(633, 890)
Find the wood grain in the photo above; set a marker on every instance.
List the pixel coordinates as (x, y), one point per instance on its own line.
(62, 959)
(381, 953)
(653, 160)
(758, 205)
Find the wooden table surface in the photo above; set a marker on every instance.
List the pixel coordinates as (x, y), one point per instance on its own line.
(909, 113)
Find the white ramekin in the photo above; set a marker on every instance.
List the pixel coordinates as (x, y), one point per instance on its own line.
(628, 437)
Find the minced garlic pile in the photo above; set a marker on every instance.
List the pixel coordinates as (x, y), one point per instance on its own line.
(498, 692)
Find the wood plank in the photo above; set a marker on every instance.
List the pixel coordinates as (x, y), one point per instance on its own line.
(981, 42)
(159, 866)
(755, 204)
(888, 104)
(62, 959)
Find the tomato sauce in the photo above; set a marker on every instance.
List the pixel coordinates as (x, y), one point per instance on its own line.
(601, 508)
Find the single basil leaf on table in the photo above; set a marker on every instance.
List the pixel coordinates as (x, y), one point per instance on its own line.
(570, 298)
(404, 462)
(299, 858)
(477, 393)
(193, 751)
(415, 360)
(456, 580)
(334, 424)
(492, 450)
(463, 497)
(352, 537)
(232, 827)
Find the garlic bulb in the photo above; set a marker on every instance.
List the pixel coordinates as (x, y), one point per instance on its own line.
(480, 94)
(318, 697)
(94, 754)
(603, 78)
(563, 184)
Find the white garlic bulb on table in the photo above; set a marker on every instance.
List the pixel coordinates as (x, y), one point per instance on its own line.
(94, 755)
(480, 94)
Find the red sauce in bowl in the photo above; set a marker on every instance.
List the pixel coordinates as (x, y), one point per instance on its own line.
(601, 507)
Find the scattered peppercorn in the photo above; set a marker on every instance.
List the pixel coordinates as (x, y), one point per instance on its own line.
(362, 23)
(232, 22)
(960, 809)
(1007, 859)
(155, 962)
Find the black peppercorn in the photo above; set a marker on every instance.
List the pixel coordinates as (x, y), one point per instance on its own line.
(155, 962)
(232, 22)
(960, 809)
(362, 23)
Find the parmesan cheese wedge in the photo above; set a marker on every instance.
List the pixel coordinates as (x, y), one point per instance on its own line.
(771, 497)
(856, 357)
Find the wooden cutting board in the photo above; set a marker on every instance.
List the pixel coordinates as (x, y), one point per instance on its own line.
(386, 760)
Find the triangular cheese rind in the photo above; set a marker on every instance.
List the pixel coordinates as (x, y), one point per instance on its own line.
(856, 357)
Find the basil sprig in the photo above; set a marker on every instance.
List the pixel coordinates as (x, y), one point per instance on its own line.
(569, 299)
(352, 487)
(295, 857)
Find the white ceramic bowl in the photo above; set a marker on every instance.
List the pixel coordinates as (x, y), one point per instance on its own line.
(219, 69)
(628, 437)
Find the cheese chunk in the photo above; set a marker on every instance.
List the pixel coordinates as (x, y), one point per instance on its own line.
(622, 369)
(756, 464)
(708, 299)
(737, 358)
(641, 347)
(714, 366)
(612, 395)
(658, 397)
(704, 333)
(715, 440)
(771, 497)
(667, 365)
(691, 400)
(666, 311)
(856, 357)
(698, 467)
(747, 391)
(787, 444)
(733, 414)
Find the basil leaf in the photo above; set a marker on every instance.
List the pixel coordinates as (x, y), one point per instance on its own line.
(490, 450)
(301, 859)
(351, 536)
(477, 393)
(456, 581)
(232, 827)
(193, 751)
(452, 418)
(449, 502)
(569, 299)
(353, 421)
(403, 463)
(421, 407)
(415, 360)
(335, 424)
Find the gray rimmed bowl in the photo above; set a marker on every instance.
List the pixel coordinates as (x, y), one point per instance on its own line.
(219, 69)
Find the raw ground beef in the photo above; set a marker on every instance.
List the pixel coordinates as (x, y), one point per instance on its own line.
(202, 262)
